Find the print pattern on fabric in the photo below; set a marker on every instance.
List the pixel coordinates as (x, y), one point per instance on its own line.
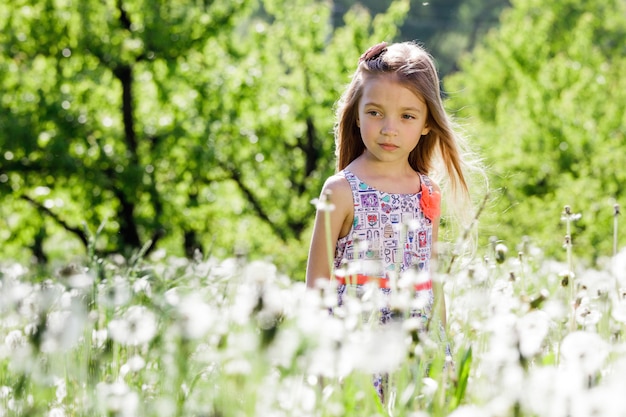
(389, 234)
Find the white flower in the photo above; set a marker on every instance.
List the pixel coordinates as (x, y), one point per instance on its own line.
(56, 412)
(584, 351)
(115, 293)
(81, 281)
(619, 267)
(195, 317)
(134, 364)
(549, 391)
(99, 337)
(468, 411)
(15, 340)
(260, 272)
(118, 399)
(323, 204)
(65, 328)
(142, 285)
(61, 391)
(138, 326)
(618, 311)
(600, 401)
(532, 329)
(429, 386)
(374, 350)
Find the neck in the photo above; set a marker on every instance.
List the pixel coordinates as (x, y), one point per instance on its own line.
(380, 168)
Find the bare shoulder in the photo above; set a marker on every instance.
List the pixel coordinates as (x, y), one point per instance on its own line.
(338, 191)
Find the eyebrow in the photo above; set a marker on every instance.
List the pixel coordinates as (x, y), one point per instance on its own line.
(371, 103)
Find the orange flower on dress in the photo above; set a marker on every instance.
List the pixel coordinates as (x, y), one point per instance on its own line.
(430, 203)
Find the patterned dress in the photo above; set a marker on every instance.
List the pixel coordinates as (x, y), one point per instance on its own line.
(389, 234)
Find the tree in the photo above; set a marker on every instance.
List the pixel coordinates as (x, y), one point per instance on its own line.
(170, 124)
(543, 96)
(448, 28)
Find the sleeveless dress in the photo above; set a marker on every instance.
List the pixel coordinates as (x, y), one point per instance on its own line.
(390, 234)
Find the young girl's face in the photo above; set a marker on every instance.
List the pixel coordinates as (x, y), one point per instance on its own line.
(391, 119)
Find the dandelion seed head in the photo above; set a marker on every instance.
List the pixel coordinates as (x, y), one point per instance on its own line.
(260, 272)
(15, 340)
(323, 203)
(56, 412)
(136, 327)
(555, 309)
(117, 398)
(195, 317)
(136, 363)
(61, 389)
(584, 351)
(618, 312)
(599, 401)
(429, 386)
(99, 337)
(532, 328)
(284, 348)
(375, 350)
(64, 328)
(618, 267)
(80, 281)
(114, 293)
(142, 286)
(588, 316)
(413, 224)
(13, 271)
(596, 283)
(238, 366)
(468, 411)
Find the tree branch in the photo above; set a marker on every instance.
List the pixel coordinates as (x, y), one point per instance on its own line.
(256, 204)
(74, 230)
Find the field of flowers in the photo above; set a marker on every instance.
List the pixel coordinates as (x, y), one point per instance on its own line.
(164, 336)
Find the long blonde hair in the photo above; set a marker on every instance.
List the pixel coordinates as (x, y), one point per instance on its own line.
(413, 67)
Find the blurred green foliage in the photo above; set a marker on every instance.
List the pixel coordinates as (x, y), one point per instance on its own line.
(186, 125)
(208, 125)
(544, 96)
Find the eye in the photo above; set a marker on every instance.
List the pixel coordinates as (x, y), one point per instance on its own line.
(408, 117)
(373, 112)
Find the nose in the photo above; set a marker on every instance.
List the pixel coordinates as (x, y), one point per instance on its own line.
(389, 130)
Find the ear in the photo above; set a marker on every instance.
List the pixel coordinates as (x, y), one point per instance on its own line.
(358, 122)
(426, 130)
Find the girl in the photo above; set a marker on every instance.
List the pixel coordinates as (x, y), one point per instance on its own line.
(392, 131)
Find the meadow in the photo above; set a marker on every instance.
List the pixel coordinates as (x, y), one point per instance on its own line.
(165, 336)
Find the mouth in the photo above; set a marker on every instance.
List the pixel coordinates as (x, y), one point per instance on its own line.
(388, 147)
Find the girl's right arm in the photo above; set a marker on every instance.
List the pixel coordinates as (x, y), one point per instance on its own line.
(339, 195)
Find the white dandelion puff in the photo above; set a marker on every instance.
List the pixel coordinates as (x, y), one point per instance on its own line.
(584, 351)
(56, 412)
(195, 317)
(532, 328)
(136, 327)
(117, 398)
(115, 293)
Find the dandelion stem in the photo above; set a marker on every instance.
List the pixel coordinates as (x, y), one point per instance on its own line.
(616, 213)
(466, 232)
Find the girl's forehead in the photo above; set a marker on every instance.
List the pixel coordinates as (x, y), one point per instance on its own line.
(385, 83)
